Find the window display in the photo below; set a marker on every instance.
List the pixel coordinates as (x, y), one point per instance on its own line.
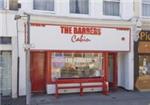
(76, 65)
(144, 65)
(143, 75)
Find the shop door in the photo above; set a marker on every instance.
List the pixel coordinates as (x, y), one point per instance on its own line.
(38, 72)
(112, 70)
(5, 73)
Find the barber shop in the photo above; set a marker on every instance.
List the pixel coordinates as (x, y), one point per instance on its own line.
(79, 58)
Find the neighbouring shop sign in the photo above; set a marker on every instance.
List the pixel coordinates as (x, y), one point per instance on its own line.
(74, 37)
(144, 36)
(144, 42)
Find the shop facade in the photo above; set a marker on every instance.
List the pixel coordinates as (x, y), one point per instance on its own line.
(78, 53)
(142, 64)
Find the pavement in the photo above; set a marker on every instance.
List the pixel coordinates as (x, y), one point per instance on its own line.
(119, 97)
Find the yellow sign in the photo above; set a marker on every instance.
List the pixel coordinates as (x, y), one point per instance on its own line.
(144, 36)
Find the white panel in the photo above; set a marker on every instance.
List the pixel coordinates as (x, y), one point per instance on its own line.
(7, 25)
(1, 29)
(69, 90)
(14, 67)
(121, 69)
(50, 37)
(69, 85)
(5, 47)
(26, 5)
(92, 89)
(62, 7)
(126, 9)
(22, 63)
(50, 89)
(96, 8)
(11, 29)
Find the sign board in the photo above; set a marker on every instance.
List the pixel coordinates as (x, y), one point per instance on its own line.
(87, 38)
(144, 35)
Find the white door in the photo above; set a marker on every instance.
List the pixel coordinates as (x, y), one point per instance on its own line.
(5, 71)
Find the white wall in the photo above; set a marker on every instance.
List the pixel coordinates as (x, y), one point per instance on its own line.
(127, 9)
(8, 24)
(126, 68)
(95, 6)
(125, 71)
(22, 67)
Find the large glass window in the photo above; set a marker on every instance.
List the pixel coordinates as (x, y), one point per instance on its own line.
(111, 7)
(46, 5)
(76, 65)
(79, 6)
(146, 7)
(1, 4)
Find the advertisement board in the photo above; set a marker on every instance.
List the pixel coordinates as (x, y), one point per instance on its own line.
(71, 37)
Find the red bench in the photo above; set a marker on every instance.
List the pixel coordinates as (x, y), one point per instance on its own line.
(81, 86)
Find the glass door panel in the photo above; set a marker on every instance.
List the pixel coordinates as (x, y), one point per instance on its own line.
(5, 66)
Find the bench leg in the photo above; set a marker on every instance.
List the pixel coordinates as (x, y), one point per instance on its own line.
(56, 93)
(81, 91)
(105, 88)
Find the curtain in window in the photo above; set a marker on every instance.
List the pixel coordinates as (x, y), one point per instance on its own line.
(13, 4)
(111, 8)
(79, 6)
(47, 5)
(146, 8)
(1, 4)
(5, 77)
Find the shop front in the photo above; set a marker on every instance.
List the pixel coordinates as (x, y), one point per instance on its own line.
(143, 61)
(74, 54)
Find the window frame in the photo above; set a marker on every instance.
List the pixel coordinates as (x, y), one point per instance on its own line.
(142, 2)
(119, 1)
(44, 11)
(2, 5)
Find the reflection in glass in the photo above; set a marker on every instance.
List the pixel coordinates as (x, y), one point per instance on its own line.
(76, 65)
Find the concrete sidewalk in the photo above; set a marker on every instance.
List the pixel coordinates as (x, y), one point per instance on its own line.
(120, 97)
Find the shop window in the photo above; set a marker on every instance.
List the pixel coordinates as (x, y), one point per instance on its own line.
(5, 40)
(13, 4)
(144, 65)
(76, 65)
(111, 7)
(146, 7)
(44, 5)
(79, 6)
(1, 4)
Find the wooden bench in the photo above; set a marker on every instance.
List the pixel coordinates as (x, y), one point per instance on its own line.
(81, 86)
